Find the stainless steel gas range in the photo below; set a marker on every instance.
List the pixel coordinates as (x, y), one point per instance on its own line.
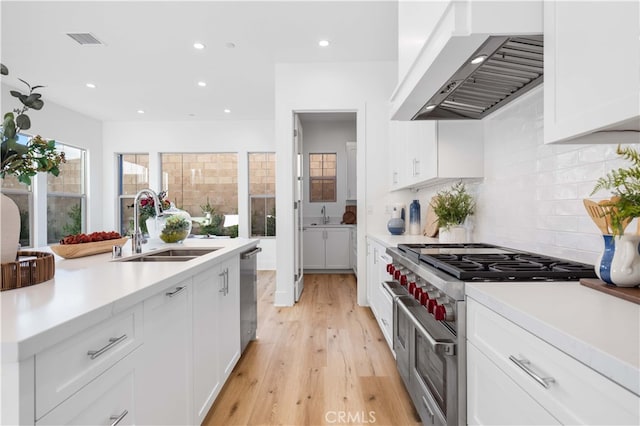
(426, 282)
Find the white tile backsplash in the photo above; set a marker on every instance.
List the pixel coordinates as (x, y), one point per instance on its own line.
(531, 196)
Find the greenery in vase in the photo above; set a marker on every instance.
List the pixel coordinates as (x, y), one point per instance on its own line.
(624, 184)
(176, 229)
(38, 155)
(453, 205)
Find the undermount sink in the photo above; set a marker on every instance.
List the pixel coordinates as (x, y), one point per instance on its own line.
(171, 255)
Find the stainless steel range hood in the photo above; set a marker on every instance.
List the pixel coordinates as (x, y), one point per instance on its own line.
(509, 33)
(502, 69)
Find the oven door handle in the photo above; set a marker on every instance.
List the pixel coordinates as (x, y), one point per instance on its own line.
(447, 348)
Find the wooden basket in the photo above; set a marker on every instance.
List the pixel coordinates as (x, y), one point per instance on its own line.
(72, 251)
(35, 267)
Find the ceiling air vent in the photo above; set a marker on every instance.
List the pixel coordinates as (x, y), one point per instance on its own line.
(85, 39)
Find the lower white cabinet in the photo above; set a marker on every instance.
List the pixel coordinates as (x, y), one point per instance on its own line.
(380, 302)
(107, 400)
(514, 377)
(326, 247)
(166, 352)
(216, 332)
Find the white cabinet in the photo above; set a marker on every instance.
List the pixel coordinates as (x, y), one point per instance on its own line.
(64, 368)
(352, 175)
(424, 153)
(167, 355)
(379, 300)
(216, 332)
(326, 247)
(530, 373)
(591, 67)
(107, 400)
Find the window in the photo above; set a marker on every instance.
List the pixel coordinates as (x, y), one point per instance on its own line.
(322, 177)
(133, 175)
(262, 190)
(206, 186)
(22, 195)
(66, 196)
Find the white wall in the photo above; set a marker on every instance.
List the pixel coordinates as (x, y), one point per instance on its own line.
(327, 137)
(154, 138)
(531, 196)
(363, 88)
(71, 128)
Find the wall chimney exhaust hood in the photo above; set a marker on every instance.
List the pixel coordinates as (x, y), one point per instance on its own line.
(480, 56)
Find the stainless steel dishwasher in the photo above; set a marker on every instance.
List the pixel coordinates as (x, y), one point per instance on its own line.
(248, 296)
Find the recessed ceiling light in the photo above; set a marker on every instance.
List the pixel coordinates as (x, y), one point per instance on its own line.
(198, 45)
(478, 59)
(229, 45)
(202, 84)
(323, 43)
(91, 85)
(140, 111)
(227, 110)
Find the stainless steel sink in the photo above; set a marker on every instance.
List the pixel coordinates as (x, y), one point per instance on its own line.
(171, 255)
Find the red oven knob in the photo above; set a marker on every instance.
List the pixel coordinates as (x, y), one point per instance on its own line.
(431, 305)
(443, 313)
(396, 274)
(417, 293)
(403, 280)
(412, 287)
(389, 266)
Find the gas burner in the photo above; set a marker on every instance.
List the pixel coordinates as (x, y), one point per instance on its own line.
(486, 262)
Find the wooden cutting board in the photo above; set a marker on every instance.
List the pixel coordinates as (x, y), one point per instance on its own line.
(431, 221)
(632, 294)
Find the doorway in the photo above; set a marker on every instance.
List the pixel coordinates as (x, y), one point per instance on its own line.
(321, 133)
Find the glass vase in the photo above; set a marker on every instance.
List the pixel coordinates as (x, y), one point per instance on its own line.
(174, 226)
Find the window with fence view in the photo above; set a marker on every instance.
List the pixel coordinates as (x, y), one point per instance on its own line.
(262, 194)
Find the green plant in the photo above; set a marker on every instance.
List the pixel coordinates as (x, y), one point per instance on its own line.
(176, 229)
(624, 184)
(75, 227)
(38, 155)
(207, 208)
(453, 205)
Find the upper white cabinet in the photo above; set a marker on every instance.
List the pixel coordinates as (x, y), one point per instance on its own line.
(423, 153)
(591, 71)
(426, 60)
(352, 175)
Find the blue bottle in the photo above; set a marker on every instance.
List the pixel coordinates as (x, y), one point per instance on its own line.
(414, 218)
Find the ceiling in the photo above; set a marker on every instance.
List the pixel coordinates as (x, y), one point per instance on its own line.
(148, 62)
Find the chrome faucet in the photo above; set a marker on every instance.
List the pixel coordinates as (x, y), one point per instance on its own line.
(136, 237)
(325, 218)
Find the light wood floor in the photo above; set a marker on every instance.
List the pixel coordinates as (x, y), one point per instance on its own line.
(322, 361)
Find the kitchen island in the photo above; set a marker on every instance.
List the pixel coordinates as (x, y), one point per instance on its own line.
(116, 327)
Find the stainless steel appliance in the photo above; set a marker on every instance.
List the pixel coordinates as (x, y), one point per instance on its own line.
(248, 296)
(426, 282)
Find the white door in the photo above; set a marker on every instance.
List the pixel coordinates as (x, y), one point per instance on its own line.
(297, 205)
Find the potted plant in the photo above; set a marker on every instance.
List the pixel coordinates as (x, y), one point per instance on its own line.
(453, 206)
(619, 263)
(22, 161)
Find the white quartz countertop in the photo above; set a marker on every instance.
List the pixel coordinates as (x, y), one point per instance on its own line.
(87, 290)
(389, 240)
(597, 329)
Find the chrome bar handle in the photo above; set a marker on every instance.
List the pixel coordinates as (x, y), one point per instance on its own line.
(524, 365)
(118, 418)
(174, 292)
(224, 282)
(426, 405)
(112, 342)
(249, 254)
(447, 348)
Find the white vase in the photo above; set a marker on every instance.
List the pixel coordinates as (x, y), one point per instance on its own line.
(453, 234)
(10, 226)
(154, 225)
(619, 263)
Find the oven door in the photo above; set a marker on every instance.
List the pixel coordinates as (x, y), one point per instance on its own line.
(401, 328)
(432, 366)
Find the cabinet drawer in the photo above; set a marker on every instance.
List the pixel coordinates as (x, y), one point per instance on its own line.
(384, 313)
(574, 393)
(104, 401)
(64, 368)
